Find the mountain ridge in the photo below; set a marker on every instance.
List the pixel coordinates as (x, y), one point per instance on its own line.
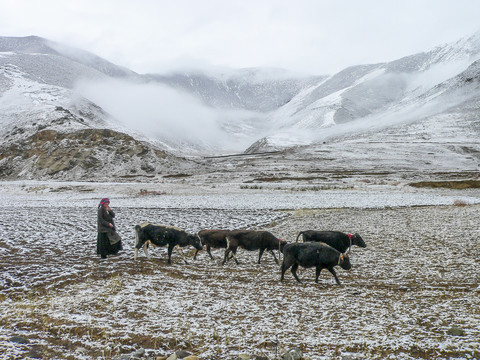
(276, 109)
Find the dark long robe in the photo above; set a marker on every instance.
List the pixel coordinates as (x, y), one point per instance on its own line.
(108, 240)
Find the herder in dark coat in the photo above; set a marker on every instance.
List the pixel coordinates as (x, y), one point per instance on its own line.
(108, 240)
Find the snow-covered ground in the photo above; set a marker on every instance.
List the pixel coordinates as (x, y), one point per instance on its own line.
(417, 279)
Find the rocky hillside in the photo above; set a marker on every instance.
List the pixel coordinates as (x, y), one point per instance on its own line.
(49, 133)
(94, 154)
(66, 147)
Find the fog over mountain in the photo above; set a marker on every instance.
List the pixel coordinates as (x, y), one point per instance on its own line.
(46, 86)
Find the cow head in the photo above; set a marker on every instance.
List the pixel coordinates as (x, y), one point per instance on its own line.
(194, 240)
(140, 236)
(357, 240)
(344, 262)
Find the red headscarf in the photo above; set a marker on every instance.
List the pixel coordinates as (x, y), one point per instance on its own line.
(104, 201)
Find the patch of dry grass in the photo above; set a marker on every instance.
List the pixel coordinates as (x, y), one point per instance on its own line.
(454, 184)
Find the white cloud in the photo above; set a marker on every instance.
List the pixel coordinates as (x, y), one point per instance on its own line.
(151, 108)
(161, 112)
(313, 36)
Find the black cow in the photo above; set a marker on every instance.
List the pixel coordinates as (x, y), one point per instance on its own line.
(336, 239)
(311, 254)
(163, 235)
(216, 239)
(252, 240)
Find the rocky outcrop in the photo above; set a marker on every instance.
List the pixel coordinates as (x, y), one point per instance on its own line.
(94, 154)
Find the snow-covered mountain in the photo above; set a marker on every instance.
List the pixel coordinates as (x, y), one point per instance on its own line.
(376, 91)
(56, 64)
(251, 89)
(39, 95)
(430, 95)
(48, 131)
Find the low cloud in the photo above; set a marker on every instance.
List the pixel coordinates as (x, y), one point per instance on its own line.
(161, 112)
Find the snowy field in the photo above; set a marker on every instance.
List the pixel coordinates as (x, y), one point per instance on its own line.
(413, 293)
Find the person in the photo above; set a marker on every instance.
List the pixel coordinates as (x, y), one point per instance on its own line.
(108, 240)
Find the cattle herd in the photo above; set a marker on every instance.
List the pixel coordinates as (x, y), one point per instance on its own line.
(319, 249)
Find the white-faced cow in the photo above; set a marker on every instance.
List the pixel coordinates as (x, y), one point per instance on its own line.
(336, 239)
(252, 240)
(163, 235)
(216, 239)
(313, 254)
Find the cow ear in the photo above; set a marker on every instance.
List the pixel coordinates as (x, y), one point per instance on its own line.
(342, 257)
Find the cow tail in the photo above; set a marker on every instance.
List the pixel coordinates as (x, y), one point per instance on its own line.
(300, 233)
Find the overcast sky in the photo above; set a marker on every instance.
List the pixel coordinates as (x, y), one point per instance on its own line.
(309, 36)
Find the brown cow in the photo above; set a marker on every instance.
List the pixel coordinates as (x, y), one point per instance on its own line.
(216, 239)
(252, 240)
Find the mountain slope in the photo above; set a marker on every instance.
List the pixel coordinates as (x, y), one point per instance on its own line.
(433, 135)
(252, 89)
(48, 131)
(374, 94)
(55, 63)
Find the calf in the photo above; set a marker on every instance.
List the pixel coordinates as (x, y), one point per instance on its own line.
(212, 239)
(336, 239)
(311, 254)
(252, 240)
(163, 235)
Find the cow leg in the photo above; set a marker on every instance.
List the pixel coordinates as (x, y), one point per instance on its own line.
(225, 258)
(136, 243)
(294, 272)
(234, 252)
(273, 253)
(317, 273)
(282, 271)
(231, 248)
(286, 263)
(140, 245)
(332, 270)
(145, 249)
(170, 250)
(284, 268)
(180, 251)
(260, 253)
(195, 255)
(209, 253)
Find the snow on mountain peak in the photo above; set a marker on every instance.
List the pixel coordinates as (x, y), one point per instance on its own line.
(51, 85)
